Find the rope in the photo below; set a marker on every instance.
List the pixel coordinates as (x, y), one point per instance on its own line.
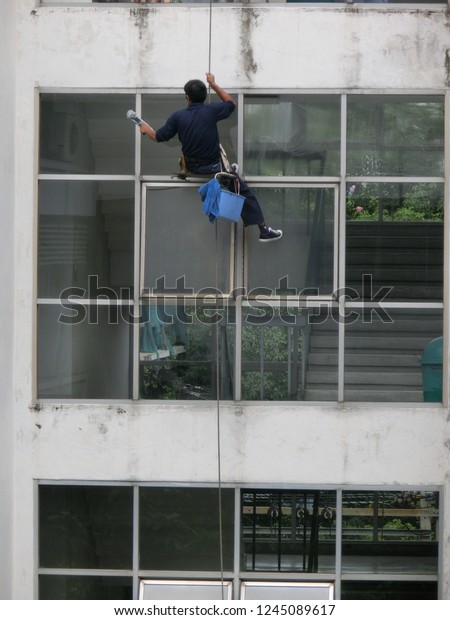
(219, 459)
(219, 468)
(210, 36)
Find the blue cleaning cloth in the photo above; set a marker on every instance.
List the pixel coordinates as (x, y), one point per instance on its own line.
(210, 193)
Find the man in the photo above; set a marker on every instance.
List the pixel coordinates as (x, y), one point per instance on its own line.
(196, 127)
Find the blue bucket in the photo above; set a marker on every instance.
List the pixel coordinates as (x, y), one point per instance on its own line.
(230, 206)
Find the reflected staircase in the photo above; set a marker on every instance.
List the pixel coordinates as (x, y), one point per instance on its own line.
(382, 360)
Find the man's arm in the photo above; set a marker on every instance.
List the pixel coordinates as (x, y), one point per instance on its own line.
(220, 92)
(148, 131)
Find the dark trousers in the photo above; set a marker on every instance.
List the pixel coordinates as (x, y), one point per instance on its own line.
(251, 210)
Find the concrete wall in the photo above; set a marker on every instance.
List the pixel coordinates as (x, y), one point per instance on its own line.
(284, 47)
(7, 208)
(268, 47)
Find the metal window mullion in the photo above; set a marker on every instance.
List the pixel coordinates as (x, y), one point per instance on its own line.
(386, 576)
(85, 177)
(336, 242)
(35, 292)
(441, 544)
(342, 250)
(303, 181)
(135, 557)
(446, 291)
(394, 179)
(338, 551)
(136, 296)
(240, 131)
(138, 197)
(237, 542)
(82, 301)
(238, 350)
(36, 540)
(85, 572)
(239, 257)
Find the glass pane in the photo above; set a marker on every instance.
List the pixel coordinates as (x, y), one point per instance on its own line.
(289, 591)
(184, 252)
(291, 531)
(179, 529)
(390, 532)
(388, 590)
(86, 233)
(162, 158)
(289, 354)
(71, 587)
(185, 590)
(187, 352)
(395, 240)
(395, 135)
(272, 354)
(303, 261)
(86, 133)
(383, 353)
(84, 351)
(85, 527)
(292, 135)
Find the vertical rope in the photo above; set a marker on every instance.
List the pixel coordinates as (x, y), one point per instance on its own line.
(209, 47)
(210, 36)
(219, 468)
(219, 459)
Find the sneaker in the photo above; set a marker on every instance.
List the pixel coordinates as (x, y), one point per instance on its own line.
(269, 234)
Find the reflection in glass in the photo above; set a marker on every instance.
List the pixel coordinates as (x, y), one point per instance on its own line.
(86, 233)
(289, 531)
(86, 134)
(390, 532)
(291, 135)
(395, 135)
(162, 158)
(83, 351)
(272, 354)
(289, 354)
(85, 527)
(303, 262)
(186, 352)
(184, 252)
(94, 588)
(389, 590)
(383, 352)
(179, 529)
(395, 239)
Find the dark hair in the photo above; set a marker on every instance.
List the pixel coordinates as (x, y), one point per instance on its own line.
(195, 90)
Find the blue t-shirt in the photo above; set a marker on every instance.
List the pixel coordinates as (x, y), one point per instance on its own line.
(196, 127)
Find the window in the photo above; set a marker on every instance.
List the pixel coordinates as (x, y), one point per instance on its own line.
(90, 528)
(289, 531)
(140, 296)
(153, 589)
(282, 591)
(86, 535)
(391, 532)
(191, 543)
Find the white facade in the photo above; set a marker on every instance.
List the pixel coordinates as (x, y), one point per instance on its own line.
(325, 48)
(7, 171)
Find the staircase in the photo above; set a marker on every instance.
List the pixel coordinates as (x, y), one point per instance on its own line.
(407, 256)
(382, 359)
